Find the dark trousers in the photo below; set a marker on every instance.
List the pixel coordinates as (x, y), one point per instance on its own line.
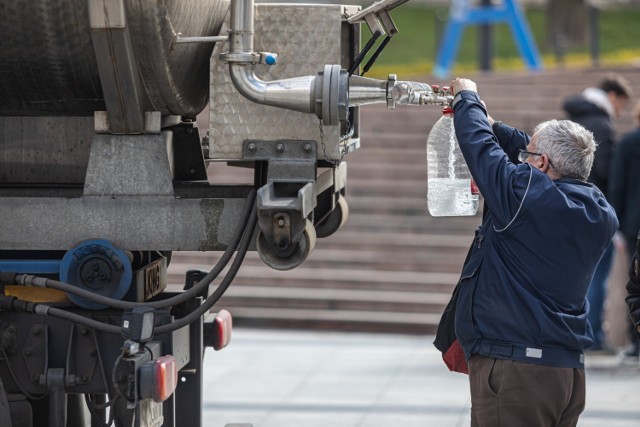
(509, 394)
(634, 339)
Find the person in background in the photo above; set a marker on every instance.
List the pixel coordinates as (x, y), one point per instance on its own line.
(595, 109)
(521, 309)
(624, 196)
(633, 289)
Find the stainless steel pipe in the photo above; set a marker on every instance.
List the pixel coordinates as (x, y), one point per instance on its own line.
(294, 94)
(241, 24)
(307, 93)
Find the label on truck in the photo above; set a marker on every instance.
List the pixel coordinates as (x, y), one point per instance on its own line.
(151, 280)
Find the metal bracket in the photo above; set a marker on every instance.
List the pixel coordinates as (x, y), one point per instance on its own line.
(379, 11)
(279, 149)
(34, 353)
(129, 165)
(289, 160)
(82, 354)
(55, 381)
(291, 173)
(379, 22)
(122, 88)
(127, 371)
(288, 198)
(186, 158)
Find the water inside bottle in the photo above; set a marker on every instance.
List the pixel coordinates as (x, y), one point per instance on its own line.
(451, 195)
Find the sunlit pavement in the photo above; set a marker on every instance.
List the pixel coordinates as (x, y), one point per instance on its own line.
(317, 379)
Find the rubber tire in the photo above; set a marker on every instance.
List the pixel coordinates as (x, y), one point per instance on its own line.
(336, 219)
(304, 247)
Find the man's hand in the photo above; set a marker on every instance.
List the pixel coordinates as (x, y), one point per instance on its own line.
(458, 85)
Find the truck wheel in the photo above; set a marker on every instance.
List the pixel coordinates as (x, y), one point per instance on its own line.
(335, 220)
(304, 247)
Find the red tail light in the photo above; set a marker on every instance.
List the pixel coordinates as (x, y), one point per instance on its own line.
(474, 188)
(216, 332)
(223, 324)
(159, 378)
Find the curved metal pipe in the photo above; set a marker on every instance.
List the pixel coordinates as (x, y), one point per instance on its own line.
(297, 93)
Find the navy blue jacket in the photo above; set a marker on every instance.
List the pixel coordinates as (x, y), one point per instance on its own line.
(523, 287)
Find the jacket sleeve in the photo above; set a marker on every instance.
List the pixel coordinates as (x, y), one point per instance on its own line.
(501, 182)
(510, 139)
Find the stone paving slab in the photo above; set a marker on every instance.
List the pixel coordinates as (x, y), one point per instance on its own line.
(274, 378)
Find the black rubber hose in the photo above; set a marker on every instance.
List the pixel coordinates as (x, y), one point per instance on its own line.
(222, 287)
(77, 318)
(15, 304)
(7, 278)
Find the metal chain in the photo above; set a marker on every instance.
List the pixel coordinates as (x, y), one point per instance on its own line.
(342, 139)
(324, 146)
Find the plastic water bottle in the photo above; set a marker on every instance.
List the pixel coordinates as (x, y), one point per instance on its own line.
(451, 190)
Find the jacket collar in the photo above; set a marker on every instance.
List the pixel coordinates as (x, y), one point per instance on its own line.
(599, 98)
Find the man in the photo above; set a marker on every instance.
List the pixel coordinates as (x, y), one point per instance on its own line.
(624, 195)
(595, 109)
(521, 313)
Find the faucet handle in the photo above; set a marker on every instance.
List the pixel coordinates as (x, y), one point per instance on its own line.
(268, 58)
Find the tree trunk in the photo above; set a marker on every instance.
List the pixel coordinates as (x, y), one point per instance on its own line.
(567, 23)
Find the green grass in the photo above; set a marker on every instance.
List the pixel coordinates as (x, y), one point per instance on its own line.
(413, 50)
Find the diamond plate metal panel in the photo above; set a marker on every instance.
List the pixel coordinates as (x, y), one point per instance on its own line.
(305, 37)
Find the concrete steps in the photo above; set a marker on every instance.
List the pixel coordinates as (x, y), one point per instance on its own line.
(392, 267)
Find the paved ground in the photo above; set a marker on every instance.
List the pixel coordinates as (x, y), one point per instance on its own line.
(321, 379)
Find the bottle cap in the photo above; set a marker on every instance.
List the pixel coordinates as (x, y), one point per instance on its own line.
(447, 110)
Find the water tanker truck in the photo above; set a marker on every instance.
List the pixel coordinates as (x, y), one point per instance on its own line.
(104, 174)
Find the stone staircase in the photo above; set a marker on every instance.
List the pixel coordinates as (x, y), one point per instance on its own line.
(392, 267)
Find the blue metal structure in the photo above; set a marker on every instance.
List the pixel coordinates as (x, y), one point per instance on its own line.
(462, 14)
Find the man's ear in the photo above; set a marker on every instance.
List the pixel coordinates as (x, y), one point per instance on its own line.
(544, 163)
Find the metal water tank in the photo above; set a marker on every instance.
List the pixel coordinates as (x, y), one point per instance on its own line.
(48, 64)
